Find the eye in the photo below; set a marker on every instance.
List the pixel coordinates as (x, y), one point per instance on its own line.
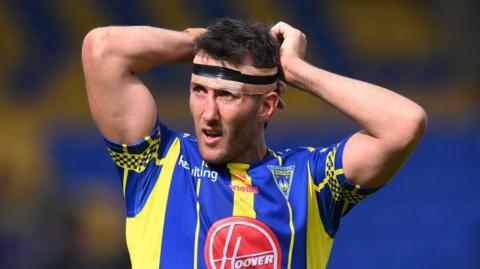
(226, 95)
(198, 89)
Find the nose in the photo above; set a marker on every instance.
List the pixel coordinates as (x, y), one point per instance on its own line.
(210, 112)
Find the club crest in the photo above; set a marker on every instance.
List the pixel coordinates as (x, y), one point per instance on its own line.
(283, 177)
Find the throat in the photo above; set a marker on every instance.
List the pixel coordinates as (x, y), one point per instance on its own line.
(251, 155)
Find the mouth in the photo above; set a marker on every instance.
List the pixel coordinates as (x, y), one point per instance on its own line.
(211, 136)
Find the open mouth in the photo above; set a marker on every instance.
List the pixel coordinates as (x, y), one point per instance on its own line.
(212, 136)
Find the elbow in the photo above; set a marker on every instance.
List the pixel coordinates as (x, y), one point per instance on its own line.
(96, 46)
(419, 123)
(412, 127)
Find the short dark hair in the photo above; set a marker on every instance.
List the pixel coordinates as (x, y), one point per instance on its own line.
(232, 40)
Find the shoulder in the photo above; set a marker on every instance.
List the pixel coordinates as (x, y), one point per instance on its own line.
(299, 152)
(188, 141)
(293, 156)
(316, 158)
(189, 147)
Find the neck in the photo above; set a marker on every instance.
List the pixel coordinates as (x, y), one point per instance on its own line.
(256, 152)
(251, 156)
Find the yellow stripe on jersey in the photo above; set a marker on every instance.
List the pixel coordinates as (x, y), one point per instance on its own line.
(319, 243)
(197, 226)
(326, 179)
(290, 215)
(125, 170)
(279, 158)
(124, 180)
(243, 191)
(292, 235)
(145, 230)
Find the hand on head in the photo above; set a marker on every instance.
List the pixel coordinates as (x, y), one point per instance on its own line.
(294, 42)
(195, 32)
(292, 46)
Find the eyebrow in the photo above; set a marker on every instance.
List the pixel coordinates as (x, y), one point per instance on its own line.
(231, 74)
(223, 89)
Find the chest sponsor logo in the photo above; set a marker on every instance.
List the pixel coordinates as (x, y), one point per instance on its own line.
(246, 188)
(198, 171)
(242, 242)
(240, 176)
(283, 177)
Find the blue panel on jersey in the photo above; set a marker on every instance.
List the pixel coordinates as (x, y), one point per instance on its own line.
(299, 199)
(180, 218)
(271, 206)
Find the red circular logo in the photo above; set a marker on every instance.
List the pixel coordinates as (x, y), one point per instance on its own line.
(242, 242)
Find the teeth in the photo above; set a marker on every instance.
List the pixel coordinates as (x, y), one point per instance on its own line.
(212, 133)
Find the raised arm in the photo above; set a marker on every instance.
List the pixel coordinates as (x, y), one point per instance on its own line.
(121, 104)
(392, 124)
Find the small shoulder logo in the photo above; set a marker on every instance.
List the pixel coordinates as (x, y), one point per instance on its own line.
(283, 177)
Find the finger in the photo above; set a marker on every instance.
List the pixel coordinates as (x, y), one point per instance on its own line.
(195, 32)
(278, 29)
(282, 28)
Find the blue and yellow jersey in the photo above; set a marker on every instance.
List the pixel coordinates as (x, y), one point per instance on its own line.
(279, 212)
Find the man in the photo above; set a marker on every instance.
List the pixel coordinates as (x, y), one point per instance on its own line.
(223, 199)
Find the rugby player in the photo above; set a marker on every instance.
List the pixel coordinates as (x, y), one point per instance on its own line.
(221, 198)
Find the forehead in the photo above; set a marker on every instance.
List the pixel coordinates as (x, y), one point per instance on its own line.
(217, 84)
(235, 78)
(202, 58)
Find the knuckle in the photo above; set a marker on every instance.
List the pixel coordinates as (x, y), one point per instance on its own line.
(286, 25)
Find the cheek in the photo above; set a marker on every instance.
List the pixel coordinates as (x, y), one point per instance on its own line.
(194, 108)
(194, 111)
(241, 124)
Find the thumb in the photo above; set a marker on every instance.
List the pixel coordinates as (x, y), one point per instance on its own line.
(195, 32)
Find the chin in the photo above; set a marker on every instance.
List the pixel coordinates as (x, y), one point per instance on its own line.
(215, 157)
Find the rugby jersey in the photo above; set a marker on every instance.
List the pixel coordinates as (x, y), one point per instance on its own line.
(280, 212)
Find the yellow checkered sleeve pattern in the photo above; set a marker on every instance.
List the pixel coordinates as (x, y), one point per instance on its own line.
(340, 191)
(137, 161)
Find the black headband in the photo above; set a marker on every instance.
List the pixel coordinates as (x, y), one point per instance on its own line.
(214, 71)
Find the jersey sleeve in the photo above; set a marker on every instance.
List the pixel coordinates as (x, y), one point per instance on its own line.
(139, 165)
(336, 195)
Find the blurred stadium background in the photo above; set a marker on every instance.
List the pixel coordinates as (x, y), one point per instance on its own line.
(60, 201)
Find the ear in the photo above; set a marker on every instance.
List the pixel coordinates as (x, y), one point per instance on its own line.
(268, 106)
